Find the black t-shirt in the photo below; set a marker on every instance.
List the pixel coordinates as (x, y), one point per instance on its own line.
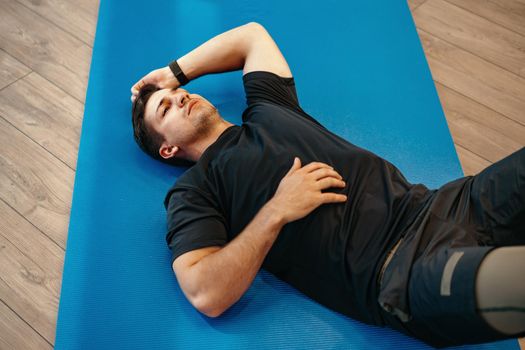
(333, 254)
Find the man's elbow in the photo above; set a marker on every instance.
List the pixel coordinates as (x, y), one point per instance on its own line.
(207, 307)
(257, 28)
(213, 314)
(255, 25)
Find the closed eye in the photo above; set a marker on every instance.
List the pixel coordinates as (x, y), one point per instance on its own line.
(166, 110)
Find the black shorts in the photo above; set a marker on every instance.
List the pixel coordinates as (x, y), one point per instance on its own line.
(468, 218)
(442, 298)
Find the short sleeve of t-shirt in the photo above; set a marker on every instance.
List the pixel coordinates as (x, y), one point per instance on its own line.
(269, 87)
(193, 222)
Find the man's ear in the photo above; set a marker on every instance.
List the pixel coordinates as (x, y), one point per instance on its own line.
(167, 151)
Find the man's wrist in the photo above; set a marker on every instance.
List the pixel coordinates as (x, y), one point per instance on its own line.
(275, 214)
(178, 73)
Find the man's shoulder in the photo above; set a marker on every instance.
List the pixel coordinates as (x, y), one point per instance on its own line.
(264, 112)
(266, 75)
(191, 180)
(203, 176)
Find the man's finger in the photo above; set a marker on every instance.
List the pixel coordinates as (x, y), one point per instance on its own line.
(315, 165)
(296, 165)
(325, 172)
(137, 86)
(329, 182)
(328, 197)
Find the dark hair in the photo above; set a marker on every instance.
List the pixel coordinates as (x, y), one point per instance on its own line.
(148, 139)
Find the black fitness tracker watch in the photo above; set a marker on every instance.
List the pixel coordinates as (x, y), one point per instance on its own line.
(178, 73)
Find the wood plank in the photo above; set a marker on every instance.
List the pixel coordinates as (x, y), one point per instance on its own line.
(32, 243)
(507, 13)
(478, 128)
(46, 114)
(31, 272)
(45, 48)
(471, 163)
(78, 18)
(472, 33)
(16, 334)
(35, 183)
(474, 77)
(10, 69)
(413, 4)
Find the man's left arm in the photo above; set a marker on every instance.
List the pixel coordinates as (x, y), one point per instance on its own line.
(264, 55)
(249, 47)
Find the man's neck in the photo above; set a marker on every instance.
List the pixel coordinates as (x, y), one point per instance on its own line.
(198, 148)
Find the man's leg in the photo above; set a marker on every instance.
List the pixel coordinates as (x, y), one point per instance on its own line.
(498, 200)
(442, 295)
(500, 289)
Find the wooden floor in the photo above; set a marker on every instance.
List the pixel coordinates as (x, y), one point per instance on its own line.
(475, 49)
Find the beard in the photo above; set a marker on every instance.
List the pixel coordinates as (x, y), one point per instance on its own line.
(204, 117)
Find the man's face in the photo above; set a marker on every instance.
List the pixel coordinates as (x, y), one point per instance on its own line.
(179, 117)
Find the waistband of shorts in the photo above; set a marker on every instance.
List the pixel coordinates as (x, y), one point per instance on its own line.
(425, 202)
(387, 260)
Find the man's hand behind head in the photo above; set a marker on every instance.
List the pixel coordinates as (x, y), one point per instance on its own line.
(163, 78)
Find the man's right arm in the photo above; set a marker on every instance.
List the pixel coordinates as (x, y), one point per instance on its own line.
(214, 278)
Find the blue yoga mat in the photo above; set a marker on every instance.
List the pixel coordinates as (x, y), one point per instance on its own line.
(359, 69)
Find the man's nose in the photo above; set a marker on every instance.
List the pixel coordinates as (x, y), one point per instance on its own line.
(182, 98)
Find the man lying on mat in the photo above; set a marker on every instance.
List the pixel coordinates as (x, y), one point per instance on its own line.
(336, 221)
